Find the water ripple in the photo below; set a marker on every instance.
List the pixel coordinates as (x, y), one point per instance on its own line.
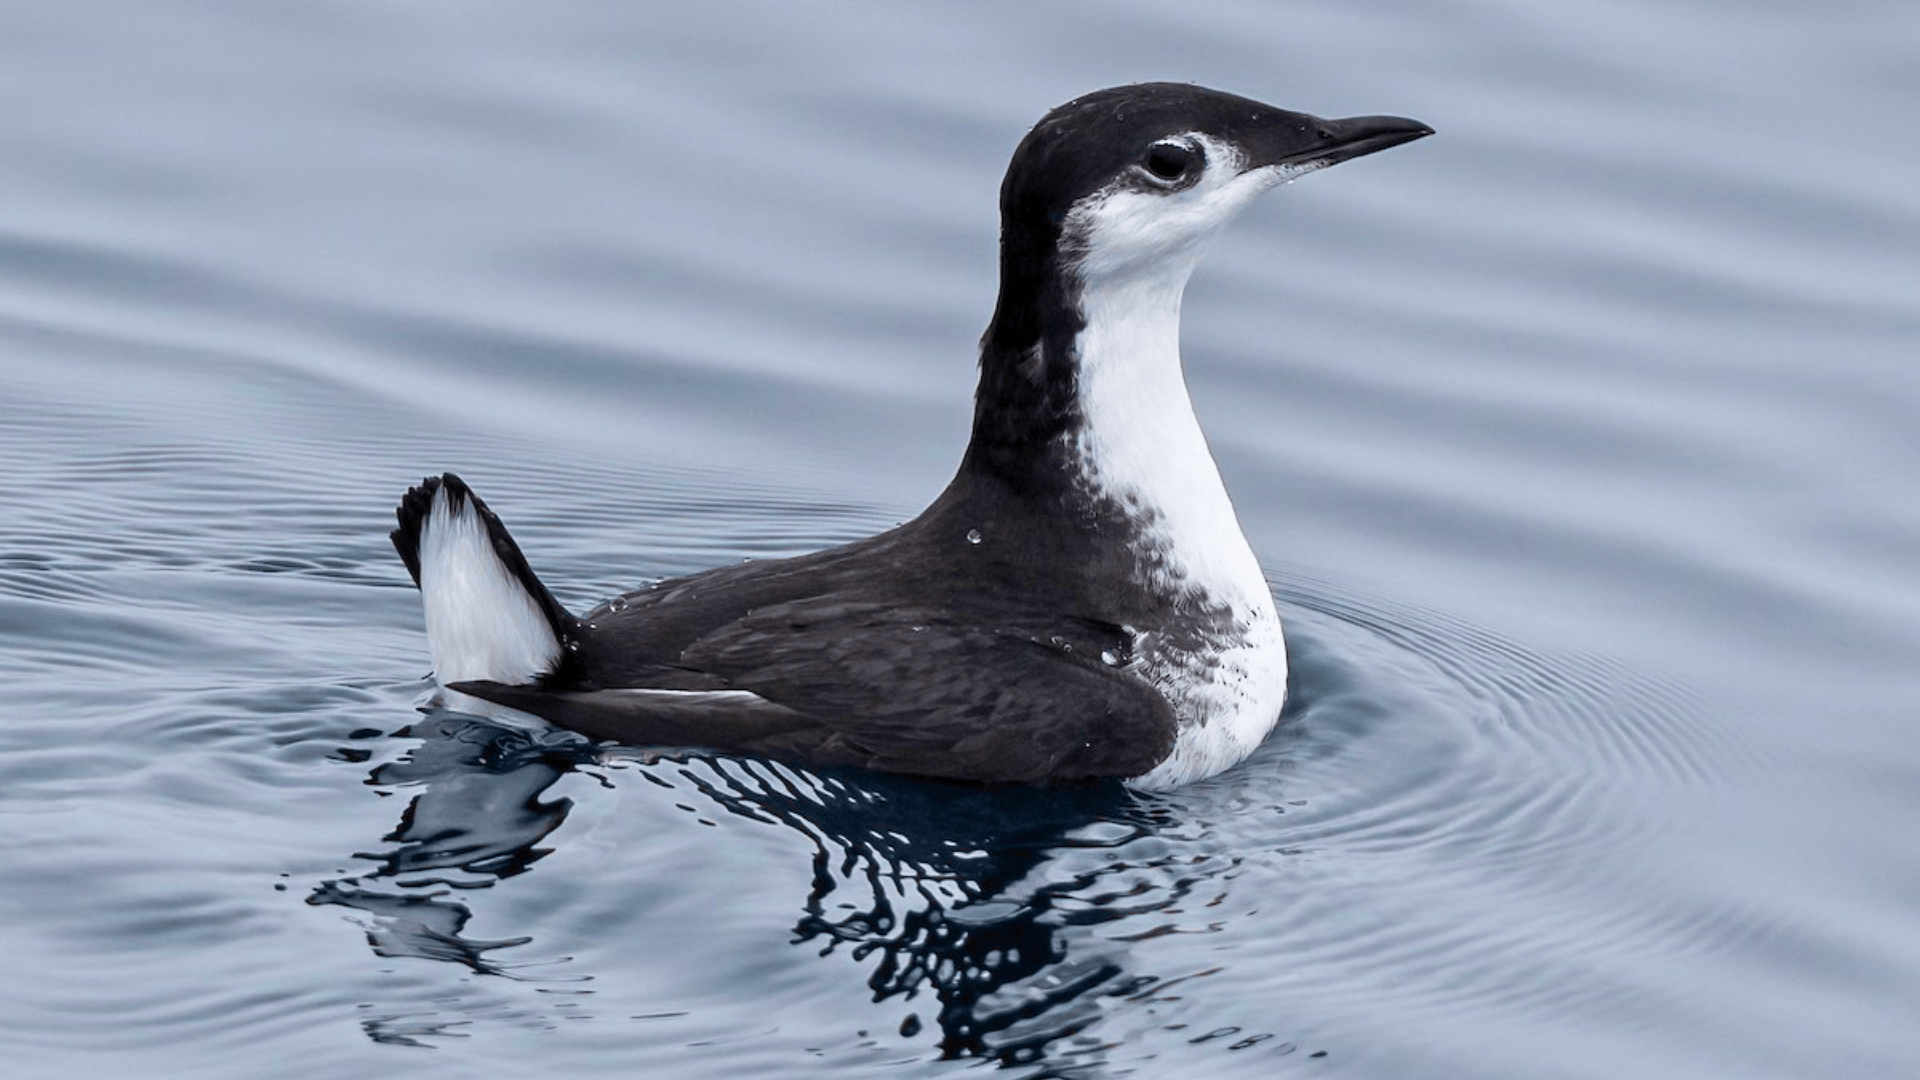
(1429, 774)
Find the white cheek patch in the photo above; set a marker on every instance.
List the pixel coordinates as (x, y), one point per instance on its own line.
(1125, 229)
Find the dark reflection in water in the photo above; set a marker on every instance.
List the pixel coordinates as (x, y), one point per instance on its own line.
(930, 883)
(969, 895)
(476, 819)
(1426, 772)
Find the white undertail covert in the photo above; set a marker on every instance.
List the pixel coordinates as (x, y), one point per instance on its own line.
(481, 621)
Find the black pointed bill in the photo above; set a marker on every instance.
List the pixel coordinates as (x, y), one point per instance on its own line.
(1320, 143)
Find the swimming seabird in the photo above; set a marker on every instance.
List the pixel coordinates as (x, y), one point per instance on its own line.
(1079, 603)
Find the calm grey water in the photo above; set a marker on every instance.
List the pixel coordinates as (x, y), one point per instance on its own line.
(1579, 441)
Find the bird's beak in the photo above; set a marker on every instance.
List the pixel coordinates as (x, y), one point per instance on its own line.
(1298, 142)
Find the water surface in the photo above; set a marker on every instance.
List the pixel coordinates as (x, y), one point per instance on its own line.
(1579, 443)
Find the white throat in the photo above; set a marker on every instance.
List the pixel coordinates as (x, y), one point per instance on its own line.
(1142, 447)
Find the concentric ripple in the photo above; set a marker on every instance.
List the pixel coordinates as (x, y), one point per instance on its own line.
(1439, 810)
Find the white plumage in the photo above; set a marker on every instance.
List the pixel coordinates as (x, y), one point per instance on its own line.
(481, 621)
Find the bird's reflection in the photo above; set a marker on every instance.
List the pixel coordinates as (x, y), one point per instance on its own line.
(933, 885)
(476, 817)
(967, 895)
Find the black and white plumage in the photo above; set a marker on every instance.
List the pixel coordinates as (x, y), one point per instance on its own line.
(1079, 603)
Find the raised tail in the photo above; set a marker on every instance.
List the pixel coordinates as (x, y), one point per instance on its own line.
(488, 616)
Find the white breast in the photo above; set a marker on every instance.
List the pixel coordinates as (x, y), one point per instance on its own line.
(1142, 447)
(1236, 703)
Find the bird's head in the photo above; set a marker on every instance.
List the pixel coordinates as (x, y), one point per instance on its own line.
(1136, 179)
(1109, 203)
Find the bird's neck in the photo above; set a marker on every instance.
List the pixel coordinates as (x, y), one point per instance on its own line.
(1091, 414)
(1139, 444)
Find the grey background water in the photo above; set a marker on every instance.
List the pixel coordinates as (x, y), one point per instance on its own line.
(1579, 442)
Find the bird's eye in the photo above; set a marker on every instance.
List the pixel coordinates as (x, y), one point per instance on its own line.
(1170, 161)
